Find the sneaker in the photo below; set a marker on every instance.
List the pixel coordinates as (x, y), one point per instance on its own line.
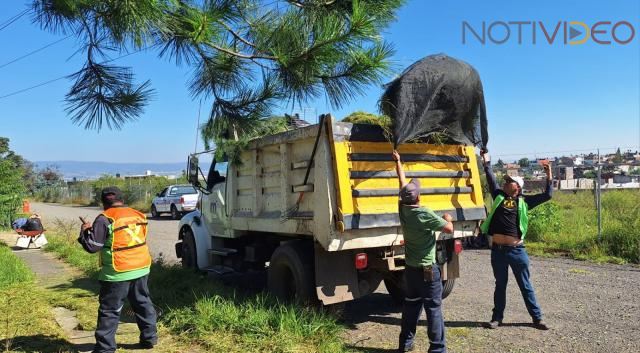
(146, 344)
(493, 324)
(540, 324)
(408, 348)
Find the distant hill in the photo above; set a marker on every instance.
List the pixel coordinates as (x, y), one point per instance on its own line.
(93, 170)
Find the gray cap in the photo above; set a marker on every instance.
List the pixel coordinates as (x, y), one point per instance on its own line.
(410, 193)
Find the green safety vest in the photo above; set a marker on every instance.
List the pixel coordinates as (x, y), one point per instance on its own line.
(523, 217)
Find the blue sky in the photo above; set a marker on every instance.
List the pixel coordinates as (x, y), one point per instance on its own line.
(540, 98)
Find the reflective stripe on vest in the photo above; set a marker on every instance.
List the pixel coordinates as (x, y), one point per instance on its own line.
(129, 249)
(523, 215)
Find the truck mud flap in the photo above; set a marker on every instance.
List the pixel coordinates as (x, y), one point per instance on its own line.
(336, 276)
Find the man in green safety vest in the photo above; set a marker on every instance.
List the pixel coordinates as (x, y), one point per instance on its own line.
(507, 223)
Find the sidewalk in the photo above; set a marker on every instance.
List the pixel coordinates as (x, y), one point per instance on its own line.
(53, 274)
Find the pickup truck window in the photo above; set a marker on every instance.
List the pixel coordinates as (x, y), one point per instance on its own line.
(182, 190)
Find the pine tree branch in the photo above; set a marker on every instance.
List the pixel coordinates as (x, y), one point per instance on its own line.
(235, 34)
(302, 5)
(240, 55)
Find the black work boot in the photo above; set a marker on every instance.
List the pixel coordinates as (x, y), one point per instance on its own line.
(540, 324)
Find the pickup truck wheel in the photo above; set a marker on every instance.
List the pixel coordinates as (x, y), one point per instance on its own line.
(189, 255)
(447, 287)
(154, 212)
(395, 286)
(291, 274)
(174, 213)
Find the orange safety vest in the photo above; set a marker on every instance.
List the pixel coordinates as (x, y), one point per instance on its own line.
(129, 249)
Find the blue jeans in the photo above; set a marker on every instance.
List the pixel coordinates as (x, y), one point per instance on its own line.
(517, 258)
(419, 294)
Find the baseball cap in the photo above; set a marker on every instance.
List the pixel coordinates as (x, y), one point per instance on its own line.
(410, 193)
(111, 194)
(517, 179)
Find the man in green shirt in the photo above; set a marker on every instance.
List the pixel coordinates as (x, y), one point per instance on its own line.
(422, 274)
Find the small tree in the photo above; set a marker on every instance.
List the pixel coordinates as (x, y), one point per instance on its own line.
(12, 188)
(617, 158)
(500, 164)
(523, 162)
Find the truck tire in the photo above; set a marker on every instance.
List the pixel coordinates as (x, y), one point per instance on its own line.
(291, 274)
(154, 212)
(395, 287)
(189, 254)
(447, 287)
(174, 213)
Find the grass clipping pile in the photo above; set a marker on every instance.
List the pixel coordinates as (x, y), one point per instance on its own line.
(437, 96)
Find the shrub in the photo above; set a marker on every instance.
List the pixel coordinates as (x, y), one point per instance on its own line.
(543, 219)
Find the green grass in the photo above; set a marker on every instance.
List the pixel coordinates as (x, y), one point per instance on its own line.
(206, 313)
(26, 323)
(12, 269)
(567, 225)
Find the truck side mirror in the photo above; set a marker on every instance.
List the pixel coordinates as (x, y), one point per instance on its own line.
(192, 170)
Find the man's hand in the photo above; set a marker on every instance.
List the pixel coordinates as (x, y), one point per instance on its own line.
(484, 155)
(85, 225)
(448, 228)
(547, 171)
(396, 156)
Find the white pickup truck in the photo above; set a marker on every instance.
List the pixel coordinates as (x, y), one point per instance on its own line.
(176, 199)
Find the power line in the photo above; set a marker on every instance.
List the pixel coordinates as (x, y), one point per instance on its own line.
(565, 151)
(61, 77)
(13, 19)
(33, 52)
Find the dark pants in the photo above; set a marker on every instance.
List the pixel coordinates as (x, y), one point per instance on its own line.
(503, 257)
(419, 294)
(112, 296)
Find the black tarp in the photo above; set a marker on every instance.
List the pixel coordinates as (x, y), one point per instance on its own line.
(437, 94)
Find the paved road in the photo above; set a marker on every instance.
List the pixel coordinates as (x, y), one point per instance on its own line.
(591, 308)
(162, 235)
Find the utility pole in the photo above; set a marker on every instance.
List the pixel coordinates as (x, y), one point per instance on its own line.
(599, 198)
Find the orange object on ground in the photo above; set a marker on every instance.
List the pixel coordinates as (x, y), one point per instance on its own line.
(26, 206)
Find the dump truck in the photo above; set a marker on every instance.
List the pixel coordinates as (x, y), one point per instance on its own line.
(317, 208)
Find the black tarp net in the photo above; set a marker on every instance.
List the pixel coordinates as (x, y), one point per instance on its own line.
(437, 95)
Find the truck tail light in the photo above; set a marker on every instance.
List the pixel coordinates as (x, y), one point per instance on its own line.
(362, 261)
(181, 200)
(457, 246)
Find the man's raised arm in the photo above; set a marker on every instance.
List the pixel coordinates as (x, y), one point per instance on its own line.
(399, 171)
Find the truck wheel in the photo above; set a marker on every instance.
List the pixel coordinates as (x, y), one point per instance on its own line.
(154, 212)
(189, 255)
(174, 213)
(291, 273)
(447, 287)
(395, 283)
(395, 286)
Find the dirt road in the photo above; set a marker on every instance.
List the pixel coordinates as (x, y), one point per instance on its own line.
(163, 232)
(591, 308)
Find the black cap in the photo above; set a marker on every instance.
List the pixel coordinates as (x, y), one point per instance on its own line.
(111, 194)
